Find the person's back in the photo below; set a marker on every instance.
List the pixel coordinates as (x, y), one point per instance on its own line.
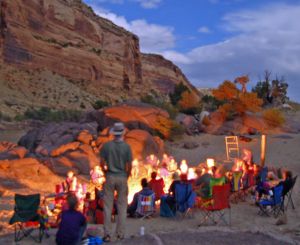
(116, 155)
(116, 163)
(204, 183)
(72, 225)
(157, 185)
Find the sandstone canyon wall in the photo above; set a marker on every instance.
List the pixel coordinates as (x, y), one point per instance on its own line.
(58, 53)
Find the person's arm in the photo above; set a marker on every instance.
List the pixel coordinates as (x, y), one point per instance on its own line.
(129, 163)
(103, 164)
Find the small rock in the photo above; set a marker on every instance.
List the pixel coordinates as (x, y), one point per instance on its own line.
(190, 145)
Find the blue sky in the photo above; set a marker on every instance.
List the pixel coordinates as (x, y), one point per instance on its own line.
(215, 40)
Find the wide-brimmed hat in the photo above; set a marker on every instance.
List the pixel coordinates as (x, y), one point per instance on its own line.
(118, 128)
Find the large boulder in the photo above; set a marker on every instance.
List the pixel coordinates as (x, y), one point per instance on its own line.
(85, 137)
(14, 153)
(31, 173)
(64, 148)
(136, 116)
(143, 144)
(45, 139)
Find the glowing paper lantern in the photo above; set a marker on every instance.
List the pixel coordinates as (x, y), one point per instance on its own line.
(183, 167)
(210, 162)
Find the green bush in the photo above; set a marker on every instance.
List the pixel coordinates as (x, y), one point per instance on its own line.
(99, 104)
(175, 97)
(46, 114)
(151, 100)
(210, 103)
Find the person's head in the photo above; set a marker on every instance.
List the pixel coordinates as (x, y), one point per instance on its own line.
(72, 201)
(118, 129)
(144, 183)
(153, 175)
(183, 177)
(287, 175)
(175, 176)
(70, 174)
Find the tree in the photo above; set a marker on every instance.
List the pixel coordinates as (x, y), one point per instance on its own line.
(189, 103)
(176, 95)
(236, 102)
(243, 80)
(272, 92)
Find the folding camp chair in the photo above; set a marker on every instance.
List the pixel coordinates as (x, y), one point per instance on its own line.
(288, 195)
(185, 198)
(272, 205)
(232, 145)
(26, 217)
(145, 206)
(217, 206)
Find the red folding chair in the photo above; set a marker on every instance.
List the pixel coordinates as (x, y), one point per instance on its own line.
(216, 209)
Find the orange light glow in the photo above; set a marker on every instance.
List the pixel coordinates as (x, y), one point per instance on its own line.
(184, 167)
(210, 162)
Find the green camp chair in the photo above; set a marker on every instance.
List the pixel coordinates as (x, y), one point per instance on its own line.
(26, 216)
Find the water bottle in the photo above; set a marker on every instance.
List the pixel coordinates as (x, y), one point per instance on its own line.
(142, 231)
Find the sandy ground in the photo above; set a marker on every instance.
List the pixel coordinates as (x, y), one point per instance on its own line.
(282, 150)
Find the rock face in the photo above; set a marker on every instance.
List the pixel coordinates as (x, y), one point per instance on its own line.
(75, 146)
(60, 54)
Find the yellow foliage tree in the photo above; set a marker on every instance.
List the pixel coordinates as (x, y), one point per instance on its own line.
(189, 102)
(236, 101)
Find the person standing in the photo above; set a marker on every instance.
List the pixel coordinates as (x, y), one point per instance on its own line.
(116, 158)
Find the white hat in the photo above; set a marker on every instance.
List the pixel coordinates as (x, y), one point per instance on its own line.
(118, 128)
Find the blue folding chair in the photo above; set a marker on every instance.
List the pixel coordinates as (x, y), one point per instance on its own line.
(274, 204)
(185, 198)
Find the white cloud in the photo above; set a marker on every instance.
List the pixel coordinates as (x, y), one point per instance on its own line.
(153, 38)
(261, 39)
(204, 29)
(149, 4)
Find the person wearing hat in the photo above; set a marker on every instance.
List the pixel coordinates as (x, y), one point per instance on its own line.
(116, 158)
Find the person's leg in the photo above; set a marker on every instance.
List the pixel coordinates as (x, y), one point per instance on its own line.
(122, 189)
(108, 199)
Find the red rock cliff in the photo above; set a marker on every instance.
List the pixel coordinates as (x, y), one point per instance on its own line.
(48, 44)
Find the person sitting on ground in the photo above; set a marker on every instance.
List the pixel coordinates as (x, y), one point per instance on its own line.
(202, 184)
(146, 191)
(72, 224)
(157, 185)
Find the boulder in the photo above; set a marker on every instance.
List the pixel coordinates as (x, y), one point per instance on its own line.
(190, 145)
(31, 173)
(85, 137)
(14, 153)
(137, 116)
(143, 144)
(61, 165)
(63, 148)
(5, 146)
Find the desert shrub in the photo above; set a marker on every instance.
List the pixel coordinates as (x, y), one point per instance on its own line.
(210, 103)
(5, 117)
(273, 117)
(176, 95)
(163, 127)
(99, 104)
(48, 115)
(177, 131)
(206, 121)
(160, 103)
(189, 103)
